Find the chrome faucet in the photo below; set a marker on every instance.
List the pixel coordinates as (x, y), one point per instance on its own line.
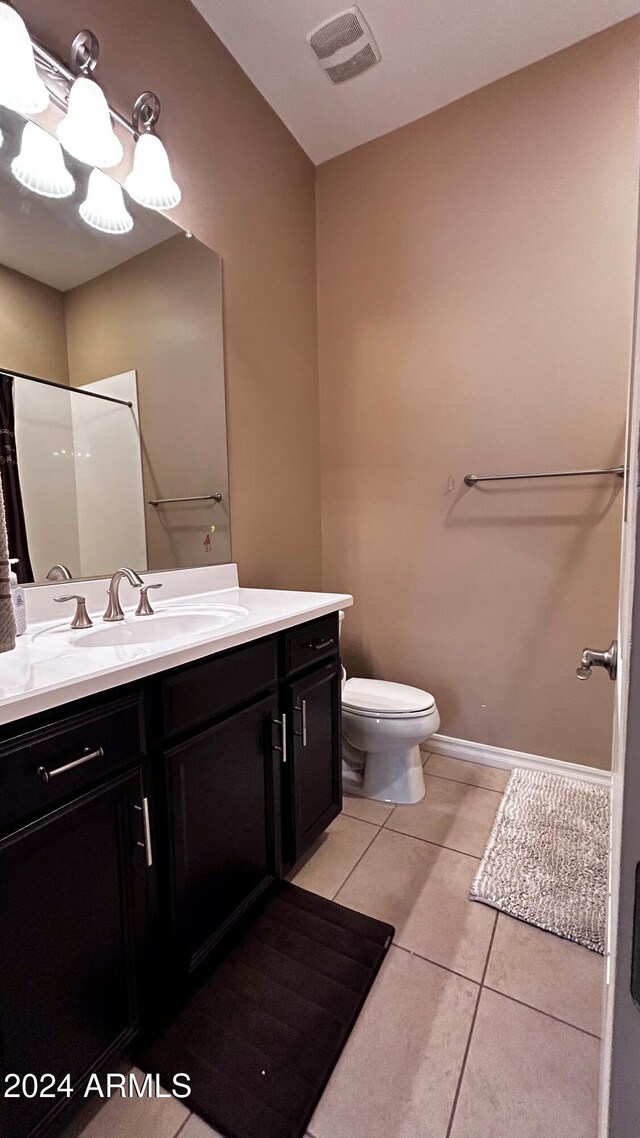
(114, 608)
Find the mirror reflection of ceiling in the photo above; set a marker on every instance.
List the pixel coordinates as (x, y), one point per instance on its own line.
(45, 239)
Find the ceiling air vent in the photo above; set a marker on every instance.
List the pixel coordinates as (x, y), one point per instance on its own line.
(344, 45)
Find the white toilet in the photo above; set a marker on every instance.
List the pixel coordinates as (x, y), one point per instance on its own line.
(383, 725)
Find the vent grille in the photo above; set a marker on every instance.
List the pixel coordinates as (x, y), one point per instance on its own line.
(351, 67)
(344, 46)
(339, 32)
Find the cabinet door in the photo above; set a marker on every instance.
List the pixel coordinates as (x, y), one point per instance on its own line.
(68, 890)
(221, 800)
(316, 766)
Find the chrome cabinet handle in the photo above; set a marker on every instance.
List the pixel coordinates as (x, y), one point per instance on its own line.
(87, 757)
(282, 724)
(146, 844)
(302, 711)
(320, 645)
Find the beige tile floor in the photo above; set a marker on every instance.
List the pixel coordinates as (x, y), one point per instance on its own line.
(478, 1026)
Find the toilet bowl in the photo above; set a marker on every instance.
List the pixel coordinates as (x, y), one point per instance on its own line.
(383, 725)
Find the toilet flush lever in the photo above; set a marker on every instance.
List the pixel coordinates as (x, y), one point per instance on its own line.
(592, 659)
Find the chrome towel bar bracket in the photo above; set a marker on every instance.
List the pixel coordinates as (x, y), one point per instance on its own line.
(194, 498)
(473, 479)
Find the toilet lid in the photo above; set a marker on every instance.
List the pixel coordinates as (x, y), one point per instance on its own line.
(384, 697)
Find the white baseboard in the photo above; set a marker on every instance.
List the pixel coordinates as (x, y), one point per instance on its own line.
(500, 757)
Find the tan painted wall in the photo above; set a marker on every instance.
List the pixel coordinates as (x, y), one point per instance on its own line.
(475, 290)
(160, 314)
(32, 331)
(249, 194)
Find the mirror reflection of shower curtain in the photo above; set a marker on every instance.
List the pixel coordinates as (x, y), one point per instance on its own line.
(16, 524)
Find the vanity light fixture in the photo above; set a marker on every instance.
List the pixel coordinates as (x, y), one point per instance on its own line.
(104, 208)
(21, 88)
(40, 164)
(150, 183)
(87, 131)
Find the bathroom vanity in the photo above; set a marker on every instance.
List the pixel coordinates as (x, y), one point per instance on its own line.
(140, 821)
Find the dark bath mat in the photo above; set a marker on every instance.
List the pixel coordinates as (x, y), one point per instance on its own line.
(262, 1036)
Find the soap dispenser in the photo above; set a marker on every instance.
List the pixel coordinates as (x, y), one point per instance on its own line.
(17, 599)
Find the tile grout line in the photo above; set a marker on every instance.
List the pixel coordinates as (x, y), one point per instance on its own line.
(441, 778)
(467, 1049)
(374, 825)
(416, 837)
(357, 863)
(549, 1015)
(356, 817)
(430, 842)
(435, 963)
(182, 1125)
(458, 782)
(309, 854)
(461, 782)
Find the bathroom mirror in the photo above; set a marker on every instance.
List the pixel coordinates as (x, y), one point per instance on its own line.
(112, 399)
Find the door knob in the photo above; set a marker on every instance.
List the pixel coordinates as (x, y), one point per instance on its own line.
(591, 659)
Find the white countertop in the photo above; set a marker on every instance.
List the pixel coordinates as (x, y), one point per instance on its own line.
(51, 665)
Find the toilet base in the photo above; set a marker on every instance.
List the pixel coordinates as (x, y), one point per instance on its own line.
(394, 777)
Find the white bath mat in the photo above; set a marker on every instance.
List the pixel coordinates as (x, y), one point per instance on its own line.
(546, 861)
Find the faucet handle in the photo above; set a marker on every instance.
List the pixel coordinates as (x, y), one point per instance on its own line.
(81, 618)
(144, 606)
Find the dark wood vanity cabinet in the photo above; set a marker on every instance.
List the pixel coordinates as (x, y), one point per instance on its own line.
(136, 828)
(222, 791)
(314, 776)
(71, 891)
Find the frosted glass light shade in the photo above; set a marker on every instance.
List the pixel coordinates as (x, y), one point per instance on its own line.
(87, 131)
(150, 182)
(21, 88)
(103, 207)
(40, 164)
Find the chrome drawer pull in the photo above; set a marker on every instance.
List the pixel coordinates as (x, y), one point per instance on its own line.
(304, 721)
(282, 724)
(320, 645)
(146, 844)
(88, 757)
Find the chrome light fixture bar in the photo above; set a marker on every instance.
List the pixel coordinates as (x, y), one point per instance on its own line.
(87, 130)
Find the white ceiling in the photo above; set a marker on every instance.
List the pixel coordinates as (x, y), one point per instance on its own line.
(433, 51)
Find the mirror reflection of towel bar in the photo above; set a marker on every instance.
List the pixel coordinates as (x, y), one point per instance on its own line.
(194, 498)
(473, 479)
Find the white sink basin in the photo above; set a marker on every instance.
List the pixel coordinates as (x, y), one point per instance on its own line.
(166, 625)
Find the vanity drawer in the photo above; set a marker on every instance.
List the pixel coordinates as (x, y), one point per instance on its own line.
(41, 767)
(204, 691)
(309, 643)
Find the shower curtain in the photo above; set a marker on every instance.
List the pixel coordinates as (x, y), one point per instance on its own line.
(14, 509)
